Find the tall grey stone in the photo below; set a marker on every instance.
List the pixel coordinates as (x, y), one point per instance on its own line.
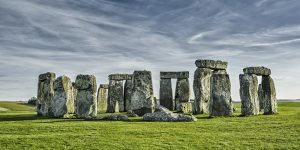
(63, 97)
(102, 98)
(74, 94)
(269, 95)
(182, 92)
(115, 100)
(249, 94)
(127, 94)
(221, 102)
(45, 94)
(166, 93)
(201, 88)
(86, 100)
(142, 99)
(261, 98)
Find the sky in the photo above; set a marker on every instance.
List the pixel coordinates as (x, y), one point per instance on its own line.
(103, 37)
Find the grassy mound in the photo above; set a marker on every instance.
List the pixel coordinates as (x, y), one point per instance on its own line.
(23, 130)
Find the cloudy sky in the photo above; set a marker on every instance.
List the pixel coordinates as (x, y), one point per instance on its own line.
(102, 37)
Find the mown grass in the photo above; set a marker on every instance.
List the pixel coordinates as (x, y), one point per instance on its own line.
(23, 130)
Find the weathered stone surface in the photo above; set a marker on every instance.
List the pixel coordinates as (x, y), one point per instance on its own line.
(201, 88)
(261, 98)
(45, 94)
(186, 107)
(221, 103)
(63, 97)
(269, 95)
(142, 99)
(119, 77)
(261, 71)
(174, 75)
(115, 100)
(165, 115)
(127, 94)
(182, 92)
(74, 94)
(102, 98)
(113, 117)
(86, 100)
(249, 94)
(211, 64)
(166, 94)
(105, 86)
(219, 72)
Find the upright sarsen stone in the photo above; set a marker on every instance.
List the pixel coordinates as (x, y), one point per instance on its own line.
(142, 99)
(86, 100)
(248, 94)
(221, 103)
(166, 93)
(45, 94)
(182, 92)
(269, 95)
(261, 98)
(201, 88)
(63, 97)
(115, 101)
(102, 97)
(127, 94)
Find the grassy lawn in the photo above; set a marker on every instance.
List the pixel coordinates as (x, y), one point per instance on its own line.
(21, 129)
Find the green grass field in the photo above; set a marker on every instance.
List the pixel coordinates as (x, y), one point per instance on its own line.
(21, 129)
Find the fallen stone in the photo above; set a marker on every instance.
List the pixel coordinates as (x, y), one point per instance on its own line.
(113, 117)
(260, 71)
(142, 99)
(102, 98)
(211, 64)
(45, 94)
(86, 100)
(166, 94)
(201, 88)
(63, 97)
(182, 92)
(269, 95)
(165, 115)
(174, 75)
(248, 94)
(115, 101)
(221, 102)
(186, 107)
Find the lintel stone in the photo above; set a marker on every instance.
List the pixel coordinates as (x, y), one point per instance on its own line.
(174, 75)
(260, 71)
(119, 77)
(211, 64)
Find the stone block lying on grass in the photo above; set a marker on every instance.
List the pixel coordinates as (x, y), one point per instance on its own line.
(164, 115)
(113, 117)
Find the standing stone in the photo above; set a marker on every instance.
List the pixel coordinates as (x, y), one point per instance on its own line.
(248, 94)
(63, 97)
(86, 100)
(165, 94)
(127, 94)
(202, 90)
(45, 94)
(115, 101)
(269, 95)
(182, 92)
(261, 98)
(102, 98)
(142, 99)
(221, 103)
(74, 94)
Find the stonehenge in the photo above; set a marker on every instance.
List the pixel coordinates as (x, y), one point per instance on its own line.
(212, 88)
(254, 97)
(133, 93)
(182, 91)
(102, 97)
(63, 100)
(86, 100)
(45, 94)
